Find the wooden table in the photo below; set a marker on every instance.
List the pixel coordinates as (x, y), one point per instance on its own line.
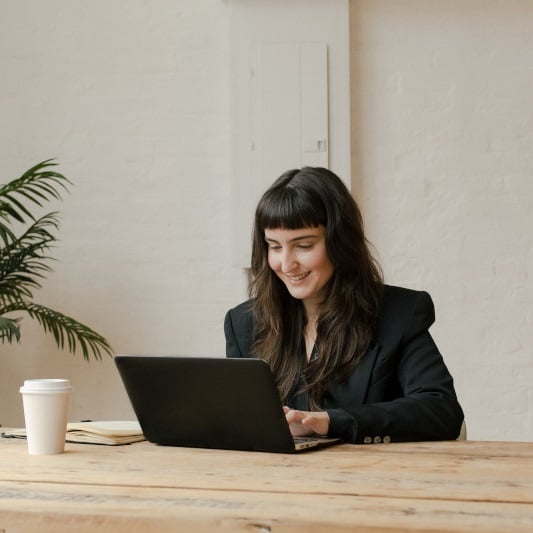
(442, 486)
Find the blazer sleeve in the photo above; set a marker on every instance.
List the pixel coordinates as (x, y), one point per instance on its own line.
(238, 329)
(410, 394)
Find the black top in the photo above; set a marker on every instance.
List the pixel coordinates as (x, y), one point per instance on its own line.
(400, 391)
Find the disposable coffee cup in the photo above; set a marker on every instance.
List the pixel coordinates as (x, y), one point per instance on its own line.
(46, 403)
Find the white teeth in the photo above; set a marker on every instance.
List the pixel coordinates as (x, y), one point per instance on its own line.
(300, 277)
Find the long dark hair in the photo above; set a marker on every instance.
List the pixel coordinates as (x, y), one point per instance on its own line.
(313, 197)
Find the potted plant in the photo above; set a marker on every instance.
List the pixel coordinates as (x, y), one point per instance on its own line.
(25, 241)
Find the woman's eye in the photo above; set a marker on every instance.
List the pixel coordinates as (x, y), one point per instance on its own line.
(305, 246)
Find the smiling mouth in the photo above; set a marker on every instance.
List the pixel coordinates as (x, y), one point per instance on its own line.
(300, 277)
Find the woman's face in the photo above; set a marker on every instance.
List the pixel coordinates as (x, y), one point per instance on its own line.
(299, 259)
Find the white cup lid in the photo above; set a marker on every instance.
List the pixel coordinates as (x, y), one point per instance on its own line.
(45, 385)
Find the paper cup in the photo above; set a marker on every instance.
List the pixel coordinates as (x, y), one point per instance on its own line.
(46, 403)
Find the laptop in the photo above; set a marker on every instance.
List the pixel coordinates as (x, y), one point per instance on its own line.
(209, 403)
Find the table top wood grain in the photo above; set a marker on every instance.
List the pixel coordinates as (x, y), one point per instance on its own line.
(430, 486)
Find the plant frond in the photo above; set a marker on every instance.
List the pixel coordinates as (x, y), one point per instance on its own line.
(6, 234)
(67, 332)
(9, 329)
(23, 261)
(36, 185)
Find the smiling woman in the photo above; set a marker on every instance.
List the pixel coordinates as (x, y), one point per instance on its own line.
(352, 357)
(299, 258)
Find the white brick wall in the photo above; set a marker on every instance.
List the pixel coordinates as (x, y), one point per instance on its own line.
(442, 138)
(133, 99)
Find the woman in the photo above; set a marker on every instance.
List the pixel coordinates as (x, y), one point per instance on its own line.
(352, 357)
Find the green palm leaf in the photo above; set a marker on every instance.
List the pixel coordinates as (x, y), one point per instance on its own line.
(67, 332)
(36, 185)
(24, 261)
(9, 329)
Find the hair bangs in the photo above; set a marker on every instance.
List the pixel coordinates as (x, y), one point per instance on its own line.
(289, 208)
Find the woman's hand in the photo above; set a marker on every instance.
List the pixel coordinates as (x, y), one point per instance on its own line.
(304, 423)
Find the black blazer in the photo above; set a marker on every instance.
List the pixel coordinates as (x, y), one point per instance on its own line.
(400, 391)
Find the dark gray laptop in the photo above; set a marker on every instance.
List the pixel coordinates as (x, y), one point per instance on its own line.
(209, 403)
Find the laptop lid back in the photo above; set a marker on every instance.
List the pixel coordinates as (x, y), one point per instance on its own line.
(206, 402)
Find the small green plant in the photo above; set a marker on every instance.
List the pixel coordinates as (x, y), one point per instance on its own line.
(25, 242)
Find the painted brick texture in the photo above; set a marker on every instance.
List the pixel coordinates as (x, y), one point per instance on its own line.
(442, 139)
(132, 98)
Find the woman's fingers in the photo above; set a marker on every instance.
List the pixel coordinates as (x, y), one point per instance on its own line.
(306, 422)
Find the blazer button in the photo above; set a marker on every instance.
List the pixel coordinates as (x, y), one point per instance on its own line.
(386, 439)
(377, 439)
(367, 440)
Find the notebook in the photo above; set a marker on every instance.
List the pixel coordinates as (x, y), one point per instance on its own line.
(109, 432)
(209, 403)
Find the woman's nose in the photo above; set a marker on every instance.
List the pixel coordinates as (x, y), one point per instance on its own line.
(287, 261)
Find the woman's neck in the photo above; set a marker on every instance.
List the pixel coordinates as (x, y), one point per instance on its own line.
(309, 332)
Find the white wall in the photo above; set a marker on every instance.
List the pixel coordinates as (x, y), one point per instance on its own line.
(261, 22)
(132, 98)
(442, 162)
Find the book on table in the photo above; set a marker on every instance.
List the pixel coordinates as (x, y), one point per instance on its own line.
(110, 432)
